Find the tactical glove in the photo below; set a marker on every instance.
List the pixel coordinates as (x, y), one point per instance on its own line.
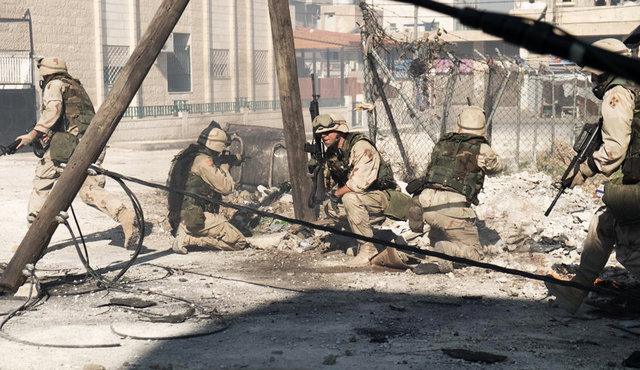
(334, 200)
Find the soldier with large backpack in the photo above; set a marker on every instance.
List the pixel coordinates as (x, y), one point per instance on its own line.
(197, 170)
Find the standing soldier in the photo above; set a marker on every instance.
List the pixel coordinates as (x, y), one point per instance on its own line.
(619, 221)
(196, 170)
(443, 196)
(66, 113)
(364, 182)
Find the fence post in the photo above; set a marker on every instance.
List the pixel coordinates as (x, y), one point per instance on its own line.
(553, 111)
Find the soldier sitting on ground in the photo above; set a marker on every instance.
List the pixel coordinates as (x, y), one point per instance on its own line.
(364, 181)
(443, 196)
(195, 221)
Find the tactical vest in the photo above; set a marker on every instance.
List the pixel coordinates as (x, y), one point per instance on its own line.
(181, 179)
(77, 109)
(340, 169)
(454, 165)
(631, 164)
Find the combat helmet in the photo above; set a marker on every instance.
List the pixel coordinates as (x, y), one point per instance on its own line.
(609, 44)
(51, 65)
(330, 122)
(214, 138)
(472, 121)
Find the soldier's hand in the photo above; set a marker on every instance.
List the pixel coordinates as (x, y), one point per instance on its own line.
(225, 167)
(575, 178)
(27, 138)
(311, 165)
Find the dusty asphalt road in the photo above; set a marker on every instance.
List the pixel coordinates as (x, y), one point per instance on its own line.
(277, 308)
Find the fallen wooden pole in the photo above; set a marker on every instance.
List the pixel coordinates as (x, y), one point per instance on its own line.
(95, 138)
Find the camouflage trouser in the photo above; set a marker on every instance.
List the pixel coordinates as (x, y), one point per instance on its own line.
(217, 233)
(92, 191)
(603, 233)
(458, 236)
(358, 207)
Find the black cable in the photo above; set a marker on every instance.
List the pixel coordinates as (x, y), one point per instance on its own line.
(75, 218)
(405, 248)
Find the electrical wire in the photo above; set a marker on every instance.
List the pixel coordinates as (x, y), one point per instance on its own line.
(405, 248)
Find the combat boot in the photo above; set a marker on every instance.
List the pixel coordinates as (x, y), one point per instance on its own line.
(366, 252)
(568, 298)
(127, 219)
(178, 245)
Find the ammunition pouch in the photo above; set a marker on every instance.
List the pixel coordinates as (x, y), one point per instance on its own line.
(193, 218)
(398, 205)
(62, 146)
(414, 187)
(631, 170)
(623, 200)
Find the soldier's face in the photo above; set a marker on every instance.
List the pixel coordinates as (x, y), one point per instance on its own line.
(329, 138)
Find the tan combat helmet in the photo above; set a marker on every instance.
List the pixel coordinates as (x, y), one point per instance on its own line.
(472, 121)
(214, 138)
(51, 65)
(609, 44)
(330, 122)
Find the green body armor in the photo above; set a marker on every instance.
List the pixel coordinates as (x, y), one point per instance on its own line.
(454, 165)
(338, 163)
(183, 207)
(77, 111)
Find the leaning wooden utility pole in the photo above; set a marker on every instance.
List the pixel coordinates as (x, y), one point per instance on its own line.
(95, 138)
(291, 107)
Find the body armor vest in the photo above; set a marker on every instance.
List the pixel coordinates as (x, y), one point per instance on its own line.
(181, 179)
(454, 165)
(340, 169)
(77, 109)
(631, 164)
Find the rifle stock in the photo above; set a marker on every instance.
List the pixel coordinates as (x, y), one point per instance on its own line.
(588, 141)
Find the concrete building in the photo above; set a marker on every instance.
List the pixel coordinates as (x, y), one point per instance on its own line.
(218, 62)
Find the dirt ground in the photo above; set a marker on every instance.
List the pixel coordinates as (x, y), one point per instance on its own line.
(290, 303)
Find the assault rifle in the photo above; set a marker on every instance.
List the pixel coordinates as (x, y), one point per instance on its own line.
(317, 153)
(586, 143)
(12, 148)
(227, 157)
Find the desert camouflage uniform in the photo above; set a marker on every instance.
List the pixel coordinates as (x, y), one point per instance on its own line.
(360, 204)
(47, 172)
(214, 231)
(617, 116)
(452, 220)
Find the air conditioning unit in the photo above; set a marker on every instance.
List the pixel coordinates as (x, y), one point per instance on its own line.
(168, 46)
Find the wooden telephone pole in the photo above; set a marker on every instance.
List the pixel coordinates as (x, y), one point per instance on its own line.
(99, 131)
(291, 106)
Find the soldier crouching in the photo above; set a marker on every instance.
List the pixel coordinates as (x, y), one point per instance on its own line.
(195, 221)
(443, 196)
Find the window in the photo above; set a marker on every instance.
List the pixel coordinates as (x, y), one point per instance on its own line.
(179, 64)
(115, 58)
(260, 75)
(219, 64)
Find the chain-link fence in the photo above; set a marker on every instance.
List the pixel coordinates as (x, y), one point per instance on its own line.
(420, 88)
(529, 112)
